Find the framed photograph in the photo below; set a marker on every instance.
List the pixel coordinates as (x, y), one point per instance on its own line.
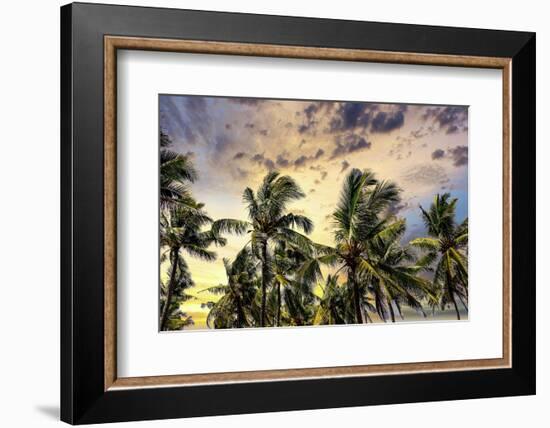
(266, 213)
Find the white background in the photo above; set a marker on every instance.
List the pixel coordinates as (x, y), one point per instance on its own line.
(29, 216)
(142, 351)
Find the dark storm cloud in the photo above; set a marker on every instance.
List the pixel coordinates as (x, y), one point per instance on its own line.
(361, 117)
(269, 164)
(228, 126)
(459, 155)
(350, 116)
(258, 157)
(323, 175)
(396, 207)
(300, 161)
(438, 154)
(388, 121)
(249, 125)
(263, 132)
(282, 161)
(239, 155)
(452, 119)
(349, 143)
(345, 165)
(311, 113)
(453, 129)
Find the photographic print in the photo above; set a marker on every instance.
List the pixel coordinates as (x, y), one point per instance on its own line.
(288, 213)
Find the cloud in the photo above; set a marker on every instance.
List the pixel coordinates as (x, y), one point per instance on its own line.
(282, 161)
(453, 129)
(311, 113)
(239, 155)
(323, 175)
(249, 125)
(360, 117)
(228, 126)
(349, 143)
(451, 119)
(396, 207)
(345, 165)
(269, 164)
(424, 174)
(258, 157)
(385, 122)
(351, 115)
(438, 154)
(263, 132)
(300, 161)
(459, 155)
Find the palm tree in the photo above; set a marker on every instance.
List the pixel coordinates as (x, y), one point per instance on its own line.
(367, 248)
(176, 318)
(358, 219)
(176, 171)
(181, 231)
(287, 261)
(231, 309)
(393, 279)
(335, 305)
(270, 223)
(447, 245)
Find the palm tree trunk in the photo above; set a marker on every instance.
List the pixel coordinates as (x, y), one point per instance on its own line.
(240, 313)
(171, 286)
(456, 306)
(265, 273)
(356, 300)
(278, 321)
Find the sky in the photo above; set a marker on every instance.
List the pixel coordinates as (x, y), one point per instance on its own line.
(234, 142)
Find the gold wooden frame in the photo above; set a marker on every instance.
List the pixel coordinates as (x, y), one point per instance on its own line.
(113, 43)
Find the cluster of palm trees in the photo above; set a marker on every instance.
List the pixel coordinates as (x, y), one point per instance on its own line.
(367, 275)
